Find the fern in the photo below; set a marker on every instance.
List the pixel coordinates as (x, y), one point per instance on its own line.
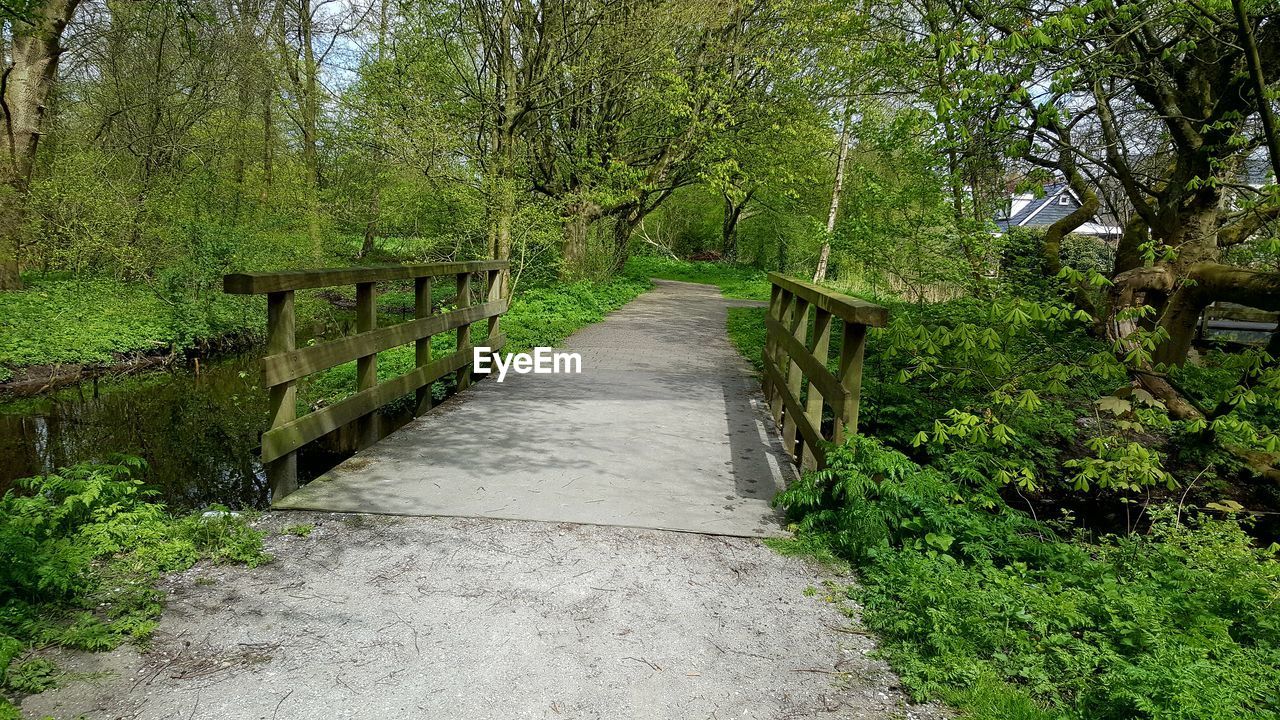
(83, 547)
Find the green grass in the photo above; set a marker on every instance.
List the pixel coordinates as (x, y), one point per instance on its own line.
(97, 321)
(735, 281)
(747, 333)
(58, 320)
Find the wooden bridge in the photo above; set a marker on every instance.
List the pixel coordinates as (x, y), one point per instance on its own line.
(664, 428)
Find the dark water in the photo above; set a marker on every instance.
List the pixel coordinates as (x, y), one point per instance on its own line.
(198, 430)
(198, 425)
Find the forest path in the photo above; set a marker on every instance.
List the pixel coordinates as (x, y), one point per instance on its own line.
(664, 428)
(395, 616)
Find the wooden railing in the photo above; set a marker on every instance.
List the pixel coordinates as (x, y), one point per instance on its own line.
(1230, 317)
(285, 363)
(795, 363)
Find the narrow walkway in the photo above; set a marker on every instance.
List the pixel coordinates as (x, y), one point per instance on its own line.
(664, 429)
(474, 618)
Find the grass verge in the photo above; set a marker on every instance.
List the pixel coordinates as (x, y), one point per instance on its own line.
(537, 317)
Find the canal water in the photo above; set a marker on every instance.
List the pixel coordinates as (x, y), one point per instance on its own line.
(196, 425)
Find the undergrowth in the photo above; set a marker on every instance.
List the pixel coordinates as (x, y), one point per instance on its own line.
(83, 550)
(60, 318)
(1003, 616)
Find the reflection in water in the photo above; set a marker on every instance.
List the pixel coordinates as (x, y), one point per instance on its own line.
(199, 433)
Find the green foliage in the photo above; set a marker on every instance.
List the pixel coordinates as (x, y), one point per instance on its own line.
(734, 281)
(80, 321)
(1022, 261)
(85, 546)
(999, 615)
(301, 530)
(747, 333)
(896, 232)
(33, 676)
(95, 320)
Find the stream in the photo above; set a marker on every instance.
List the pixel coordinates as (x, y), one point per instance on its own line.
(196, 424)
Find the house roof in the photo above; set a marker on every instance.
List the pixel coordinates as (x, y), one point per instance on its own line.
(1040, 211)
(1031, 211)
(1257, 169)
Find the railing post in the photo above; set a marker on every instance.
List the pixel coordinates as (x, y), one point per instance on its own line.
(367, 366)
(775, 312)
(851, 352)
(813, 405)
(282, 473)
(463, 376)
(776, 352)
(422, 347)
(799, 327)
(493, 293)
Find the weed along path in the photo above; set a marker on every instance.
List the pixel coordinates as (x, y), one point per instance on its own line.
(517, 561)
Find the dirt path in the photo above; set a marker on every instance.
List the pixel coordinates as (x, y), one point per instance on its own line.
(391, 617)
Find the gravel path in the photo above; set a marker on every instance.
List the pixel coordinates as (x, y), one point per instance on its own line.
(397, 617)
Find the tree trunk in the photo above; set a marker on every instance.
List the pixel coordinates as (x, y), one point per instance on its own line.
(371, 225)
(577, 223)
(310, 98)
(268, 144)
(1180, 316)
(623, 226)
(824, 256)
(27, 82)
(1129, 247)
(1051, 244)
(729, 225)
(729, 229)
(12, 213)
(301, 66)
(502, 180)
(503, 212)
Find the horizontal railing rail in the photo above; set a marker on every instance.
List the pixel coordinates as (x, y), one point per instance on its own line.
(285, 363)
(797, 381)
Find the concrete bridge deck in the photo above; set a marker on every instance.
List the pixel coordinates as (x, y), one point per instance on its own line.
(663, 429)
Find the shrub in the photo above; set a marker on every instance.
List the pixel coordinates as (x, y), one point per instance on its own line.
(1004, 617)
(84, 547)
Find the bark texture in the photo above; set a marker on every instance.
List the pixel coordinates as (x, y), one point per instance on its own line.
(25, 86)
